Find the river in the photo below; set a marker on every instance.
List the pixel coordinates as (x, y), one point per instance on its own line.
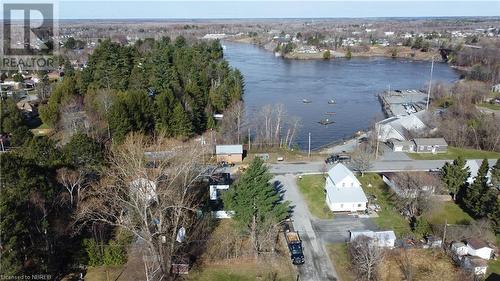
(353, 84)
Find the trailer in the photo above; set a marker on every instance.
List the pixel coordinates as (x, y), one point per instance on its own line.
(295, 246)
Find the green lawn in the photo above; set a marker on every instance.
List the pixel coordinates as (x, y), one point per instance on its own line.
(493, 267)
(340, 260)
(490, 106)
(312, 188)
(239, 272)
(450, 212)
(388, 217)
(454, 152)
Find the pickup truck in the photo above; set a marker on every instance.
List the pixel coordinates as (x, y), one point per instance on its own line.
(295, 246)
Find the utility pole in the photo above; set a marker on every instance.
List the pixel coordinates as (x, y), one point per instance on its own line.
(430, 85)
(249, 139)
(444, 230)
(377, 129)
(309, 152)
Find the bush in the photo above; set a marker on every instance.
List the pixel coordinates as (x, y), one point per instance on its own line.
(93, 252)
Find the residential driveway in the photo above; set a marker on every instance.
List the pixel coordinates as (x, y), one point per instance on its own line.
(390, 155)
(317, 266)
(337, 230)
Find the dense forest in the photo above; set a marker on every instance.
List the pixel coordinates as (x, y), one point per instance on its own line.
(152, 86)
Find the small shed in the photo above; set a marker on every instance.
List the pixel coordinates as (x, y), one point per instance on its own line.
(383, 239)
(229, 153)
(430, 145)
(459, 248)
(479, 248)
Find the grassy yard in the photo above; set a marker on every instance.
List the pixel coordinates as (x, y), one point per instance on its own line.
(104, 273)
(427, 265)
(340, 260)
(450, 212)
(242, 271)
(493, 267)
(454, 152)
(490, 106)
(388, 217)
(312, 188)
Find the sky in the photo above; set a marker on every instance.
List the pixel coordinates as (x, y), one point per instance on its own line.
(209, 9)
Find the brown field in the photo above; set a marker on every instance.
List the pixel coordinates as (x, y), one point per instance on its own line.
(427, 265)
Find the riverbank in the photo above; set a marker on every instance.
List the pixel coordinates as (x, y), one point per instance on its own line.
(399, 52)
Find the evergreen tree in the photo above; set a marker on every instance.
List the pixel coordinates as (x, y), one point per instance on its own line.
(476, 195)
(181, 123)
(83, 152)
(255, 201)
(455, 175)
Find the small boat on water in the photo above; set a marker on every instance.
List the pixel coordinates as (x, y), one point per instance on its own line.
(332, 101)
(306, 101)
(330, 113)
(326, 121)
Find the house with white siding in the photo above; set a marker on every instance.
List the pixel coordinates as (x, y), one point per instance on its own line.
(343, 190)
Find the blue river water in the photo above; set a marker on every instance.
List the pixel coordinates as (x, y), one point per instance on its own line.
(354, 85)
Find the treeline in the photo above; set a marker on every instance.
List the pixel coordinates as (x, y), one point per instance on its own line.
(479, 197)
(462, 124)
(482, 59)
(41, 183)
(153, 86)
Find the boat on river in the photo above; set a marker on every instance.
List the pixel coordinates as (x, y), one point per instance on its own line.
(332, 101)
(326, 121)
(330, 113)
(306, 101)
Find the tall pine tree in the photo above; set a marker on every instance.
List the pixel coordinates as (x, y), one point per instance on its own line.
(455, 175)
(256, 203)
(476, 195)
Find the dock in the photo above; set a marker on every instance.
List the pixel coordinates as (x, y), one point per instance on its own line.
(402, 102)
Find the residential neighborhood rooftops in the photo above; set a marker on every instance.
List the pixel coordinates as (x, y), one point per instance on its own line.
(229, 149)
(430, 141)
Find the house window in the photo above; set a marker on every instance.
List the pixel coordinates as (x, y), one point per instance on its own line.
(343, 184)
(359, 205)
(422, 147)
(352, 184)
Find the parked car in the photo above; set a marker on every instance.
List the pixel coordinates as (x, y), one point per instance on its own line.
(338, 158)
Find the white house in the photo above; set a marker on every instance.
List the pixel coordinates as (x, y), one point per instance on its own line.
(396, 127)
(343, 190)
(384, 239)
(478, 248)
(459, 248)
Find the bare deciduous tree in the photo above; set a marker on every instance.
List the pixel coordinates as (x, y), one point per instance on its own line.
(414, 190)
(73, 182)
(362, 158)
(366, 257)
(152, 189)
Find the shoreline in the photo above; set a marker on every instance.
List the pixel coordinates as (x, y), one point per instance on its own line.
(375, 52)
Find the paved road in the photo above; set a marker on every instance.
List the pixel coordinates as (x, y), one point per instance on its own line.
(317, 266)
(378, 166)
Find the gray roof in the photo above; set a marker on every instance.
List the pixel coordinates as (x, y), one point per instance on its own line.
(379, 235)
(339, 172)
(229, 149)
(430, 141)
